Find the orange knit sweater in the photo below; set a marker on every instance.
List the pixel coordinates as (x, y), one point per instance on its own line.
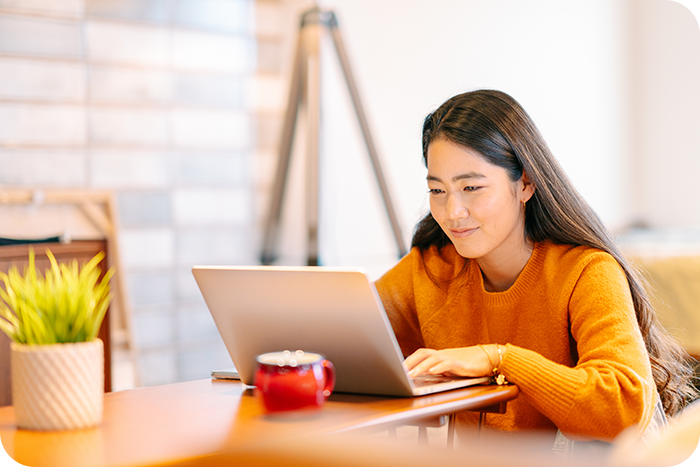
(574, 346)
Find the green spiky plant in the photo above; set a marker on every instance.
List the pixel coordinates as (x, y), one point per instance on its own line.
(66, 305)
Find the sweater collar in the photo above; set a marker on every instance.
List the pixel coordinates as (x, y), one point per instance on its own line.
(525, 281)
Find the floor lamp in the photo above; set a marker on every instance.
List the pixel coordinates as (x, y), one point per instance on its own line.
(305, 89)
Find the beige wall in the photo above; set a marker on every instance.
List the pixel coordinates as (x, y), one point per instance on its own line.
(665, 161)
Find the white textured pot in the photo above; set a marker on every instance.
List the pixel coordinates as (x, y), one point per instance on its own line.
(59, 386)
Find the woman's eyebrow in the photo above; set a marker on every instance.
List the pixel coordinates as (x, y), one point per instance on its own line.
(456, 178)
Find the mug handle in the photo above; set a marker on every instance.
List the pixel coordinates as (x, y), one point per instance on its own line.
(329, 371)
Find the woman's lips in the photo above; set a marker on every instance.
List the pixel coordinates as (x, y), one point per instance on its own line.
(461, 233)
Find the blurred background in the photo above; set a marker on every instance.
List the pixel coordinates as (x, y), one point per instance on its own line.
(176, 107)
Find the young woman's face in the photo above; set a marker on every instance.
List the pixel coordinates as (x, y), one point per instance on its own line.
(475, 202)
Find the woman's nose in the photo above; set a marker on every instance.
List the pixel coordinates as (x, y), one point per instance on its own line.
(456, 208)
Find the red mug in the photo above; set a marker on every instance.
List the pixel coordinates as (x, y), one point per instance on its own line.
(288, 381)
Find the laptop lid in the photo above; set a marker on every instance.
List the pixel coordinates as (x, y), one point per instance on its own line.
(331, 311)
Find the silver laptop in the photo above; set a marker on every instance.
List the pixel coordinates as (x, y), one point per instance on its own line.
(334, 312)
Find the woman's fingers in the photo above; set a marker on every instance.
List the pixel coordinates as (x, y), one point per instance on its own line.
(429, 362)
(465, 361)
(417, 357)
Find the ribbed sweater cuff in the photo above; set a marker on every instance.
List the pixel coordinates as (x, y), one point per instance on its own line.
(541, 379)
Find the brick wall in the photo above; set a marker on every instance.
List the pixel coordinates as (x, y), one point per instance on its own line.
(172, 105)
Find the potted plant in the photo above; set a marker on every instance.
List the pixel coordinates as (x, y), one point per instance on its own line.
(57, 360)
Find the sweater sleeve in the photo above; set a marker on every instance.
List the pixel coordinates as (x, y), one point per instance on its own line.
(395, 289)
(611, 387)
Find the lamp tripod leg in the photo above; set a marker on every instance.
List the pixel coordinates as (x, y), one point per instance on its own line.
(306, 87)
(312, 34)
(272, 224)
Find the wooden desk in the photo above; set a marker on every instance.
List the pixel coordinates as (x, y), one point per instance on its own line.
(182, 422)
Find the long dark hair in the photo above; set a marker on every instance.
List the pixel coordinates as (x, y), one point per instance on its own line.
(493, 124)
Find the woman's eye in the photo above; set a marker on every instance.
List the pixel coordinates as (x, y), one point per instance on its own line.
(471, 188)
(434, 191)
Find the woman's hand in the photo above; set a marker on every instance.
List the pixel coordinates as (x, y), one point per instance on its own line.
(463, 361)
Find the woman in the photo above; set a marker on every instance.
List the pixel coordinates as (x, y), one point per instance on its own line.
(512, 274)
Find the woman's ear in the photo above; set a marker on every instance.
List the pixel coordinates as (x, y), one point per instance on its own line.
(527, 188)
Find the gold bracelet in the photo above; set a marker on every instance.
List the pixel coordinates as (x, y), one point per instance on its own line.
(500, 379)
(493, 367)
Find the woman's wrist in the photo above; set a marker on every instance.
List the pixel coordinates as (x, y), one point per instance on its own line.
(487, 351)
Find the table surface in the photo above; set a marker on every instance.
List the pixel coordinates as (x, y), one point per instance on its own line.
(178, 422)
